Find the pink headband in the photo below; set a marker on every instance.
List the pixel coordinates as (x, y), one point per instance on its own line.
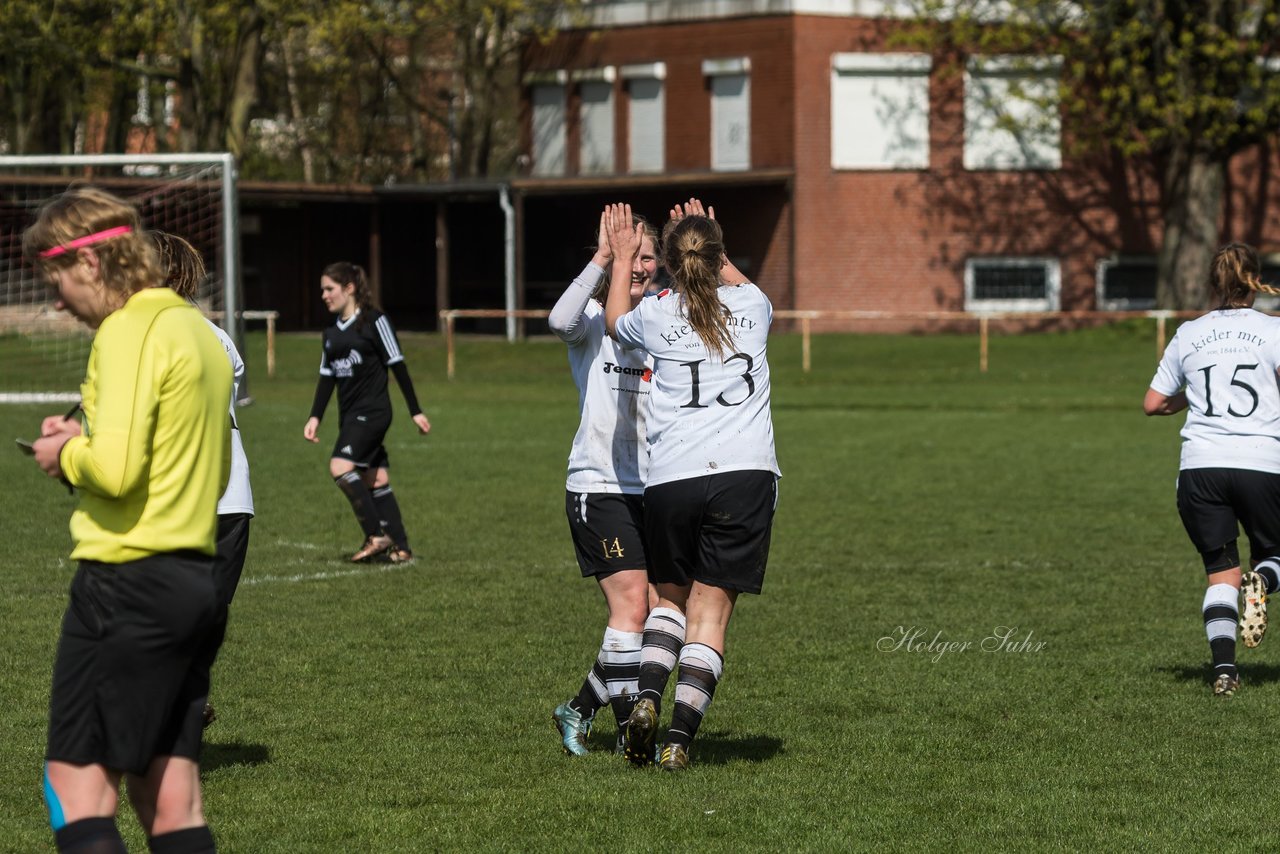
(87, 240)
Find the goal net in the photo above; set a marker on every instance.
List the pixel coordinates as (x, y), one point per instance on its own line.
(43, 352)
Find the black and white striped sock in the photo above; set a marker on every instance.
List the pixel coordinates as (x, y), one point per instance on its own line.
(594, 692)
(663, 637)
(700, 671)
(1269, 569)
(621, 655)
(1221, 617)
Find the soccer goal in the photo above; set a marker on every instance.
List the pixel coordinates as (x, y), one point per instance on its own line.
(43, 352)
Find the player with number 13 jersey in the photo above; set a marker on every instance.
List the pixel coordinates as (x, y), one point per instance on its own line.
(712, 488)
(708, 414)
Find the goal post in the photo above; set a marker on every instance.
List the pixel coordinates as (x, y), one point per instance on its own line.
(43, 352)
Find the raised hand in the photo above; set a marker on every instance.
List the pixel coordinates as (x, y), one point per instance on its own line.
(693, 207)
(625, 236)
(604, 254)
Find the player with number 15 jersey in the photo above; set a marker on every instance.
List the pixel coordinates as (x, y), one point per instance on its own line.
(1221, 368)
(1227, 362)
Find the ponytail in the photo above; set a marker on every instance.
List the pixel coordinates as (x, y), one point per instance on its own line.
(693, 252)
(345, 273)
(1234, 276)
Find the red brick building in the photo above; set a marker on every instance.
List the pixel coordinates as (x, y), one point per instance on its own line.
(849, 172)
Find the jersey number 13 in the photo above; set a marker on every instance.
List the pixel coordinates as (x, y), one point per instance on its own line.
(694, 402)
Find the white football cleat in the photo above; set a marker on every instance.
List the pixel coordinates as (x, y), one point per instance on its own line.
(1253, 619)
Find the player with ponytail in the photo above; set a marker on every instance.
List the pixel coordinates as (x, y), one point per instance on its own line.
(1222, 369)
(186, 272)
(711, 488)
(358, 350)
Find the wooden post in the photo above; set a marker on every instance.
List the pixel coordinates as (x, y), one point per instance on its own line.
(804, 342)
(271, 344)
(1160, 331)
(982, 344)
(448, 342)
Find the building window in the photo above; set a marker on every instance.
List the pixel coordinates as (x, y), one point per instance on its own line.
(646, 120)
(547, 96)
(730, 113)
(1128, 283)
(880, 111)
(596, 120)
(1011, 284)
(1011, 113)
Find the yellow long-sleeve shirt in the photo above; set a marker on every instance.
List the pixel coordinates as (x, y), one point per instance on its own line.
(156, 450)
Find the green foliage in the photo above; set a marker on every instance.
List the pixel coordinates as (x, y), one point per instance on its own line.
(342, 91)
(408, 709)
(1178, 87)
(1141, 76)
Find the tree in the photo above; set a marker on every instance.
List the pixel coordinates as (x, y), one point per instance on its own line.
(1185, 84)
(434, 83)
(317, 90)
(60, 64)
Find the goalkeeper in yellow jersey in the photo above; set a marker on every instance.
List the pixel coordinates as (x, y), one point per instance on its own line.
(131, 675)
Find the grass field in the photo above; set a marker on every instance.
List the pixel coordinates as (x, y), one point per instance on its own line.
(407, 709)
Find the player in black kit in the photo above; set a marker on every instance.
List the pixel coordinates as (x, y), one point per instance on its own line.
(358, 349)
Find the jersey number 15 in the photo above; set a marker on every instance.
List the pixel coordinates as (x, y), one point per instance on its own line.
(1235, 381)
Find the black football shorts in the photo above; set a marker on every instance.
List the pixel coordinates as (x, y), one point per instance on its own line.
(360, 441)
(131, 675)
(713, 529)
(608, 531)
(1212, 501)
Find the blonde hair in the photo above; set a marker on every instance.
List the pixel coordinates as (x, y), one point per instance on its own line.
(602, 289)
(128, 262)
(184, 266)
(1233, 276)
(693, 253)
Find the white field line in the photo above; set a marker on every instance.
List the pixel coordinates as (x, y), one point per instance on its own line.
(322, 576)
(316, 576)
(289, 545)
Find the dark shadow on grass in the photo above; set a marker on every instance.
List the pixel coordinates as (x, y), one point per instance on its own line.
(709, 748)
(215, 756)
(1250, 674)
(721, 748)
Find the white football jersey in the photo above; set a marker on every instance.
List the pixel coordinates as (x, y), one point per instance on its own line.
(609, 452)
(238, 497)
(707, 414)
(1226, 361)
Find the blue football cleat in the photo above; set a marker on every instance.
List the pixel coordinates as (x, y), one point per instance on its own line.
(573, 728)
